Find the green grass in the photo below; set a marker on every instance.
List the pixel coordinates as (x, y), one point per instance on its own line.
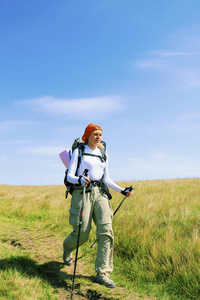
(157, 243)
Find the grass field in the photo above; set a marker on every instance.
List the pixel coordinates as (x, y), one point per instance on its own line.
(157, 244)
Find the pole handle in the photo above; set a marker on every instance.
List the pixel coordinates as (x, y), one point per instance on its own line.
(85, 173)
(131, 188)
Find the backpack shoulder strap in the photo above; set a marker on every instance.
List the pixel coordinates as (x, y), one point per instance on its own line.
(80, 153)
(102, 157)
(103, 153)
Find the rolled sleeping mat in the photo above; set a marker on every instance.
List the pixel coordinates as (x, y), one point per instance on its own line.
(65, 157)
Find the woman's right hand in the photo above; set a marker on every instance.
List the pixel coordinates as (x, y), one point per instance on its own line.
(84, 181)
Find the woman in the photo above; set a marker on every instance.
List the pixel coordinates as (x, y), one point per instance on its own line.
(96, 204)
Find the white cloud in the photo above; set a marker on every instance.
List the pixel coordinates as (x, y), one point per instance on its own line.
(191, 78)
(10, 125)
(161, 59)
(157, 165)
(160, 156)
(14, 142)
(180, 68)
(184, 128)
(151, 64)
(169, 53)
(40, 150)
(186, 123)
(2, 157)
(76, 107)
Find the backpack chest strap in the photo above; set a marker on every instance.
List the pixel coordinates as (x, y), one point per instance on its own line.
(99, 156)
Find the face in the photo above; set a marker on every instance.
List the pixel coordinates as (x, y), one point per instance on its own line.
(95, 139)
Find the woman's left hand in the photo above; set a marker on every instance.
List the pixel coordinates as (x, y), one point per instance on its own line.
(127, 191)
(129, 194)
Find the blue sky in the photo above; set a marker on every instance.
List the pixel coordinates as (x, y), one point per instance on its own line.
(132, 67)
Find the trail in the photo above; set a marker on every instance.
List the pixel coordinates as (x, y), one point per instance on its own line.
(45, 252)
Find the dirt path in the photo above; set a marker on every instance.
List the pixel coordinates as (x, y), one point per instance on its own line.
(45, 252)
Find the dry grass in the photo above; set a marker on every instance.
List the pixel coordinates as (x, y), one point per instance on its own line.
(158, 234)
(157, 242)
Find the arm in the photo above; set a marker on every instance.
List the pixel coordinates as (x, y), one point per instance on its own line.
(108, 181)
(71, 177)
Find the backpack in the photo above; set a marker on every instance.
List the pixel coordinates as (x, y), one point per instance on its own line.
(78, 143)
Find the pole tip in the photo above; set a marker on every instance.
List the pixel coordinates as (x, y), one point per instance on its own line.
(72, 293)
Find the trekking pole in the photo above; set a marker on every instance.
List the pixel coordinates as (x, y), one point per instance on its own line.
(72, 292)
(130, 189)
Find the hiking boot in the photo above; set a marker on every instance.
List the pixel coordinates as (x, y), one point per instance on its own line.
(104, 279)
(67, 258)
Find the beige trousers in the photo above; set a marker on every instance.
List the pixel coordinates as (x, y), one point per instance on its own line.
(96, 208)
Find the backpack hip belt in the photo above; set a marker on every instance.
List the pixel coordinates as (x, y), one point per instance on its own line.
(96, 182)
(104, 189)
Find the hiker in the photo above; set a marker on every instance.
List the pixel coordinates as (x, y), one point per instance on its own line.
(96, 204)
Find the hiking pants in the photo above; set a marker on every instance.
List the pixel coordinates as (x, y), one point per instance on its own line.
(96, 208)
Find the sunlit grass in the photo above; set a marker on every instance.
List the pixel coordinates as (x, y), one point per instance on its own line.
(157, 235)
(157, 239)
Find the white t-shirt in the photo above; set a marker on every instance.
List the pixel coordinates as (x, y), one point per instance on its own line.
(96, 168)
